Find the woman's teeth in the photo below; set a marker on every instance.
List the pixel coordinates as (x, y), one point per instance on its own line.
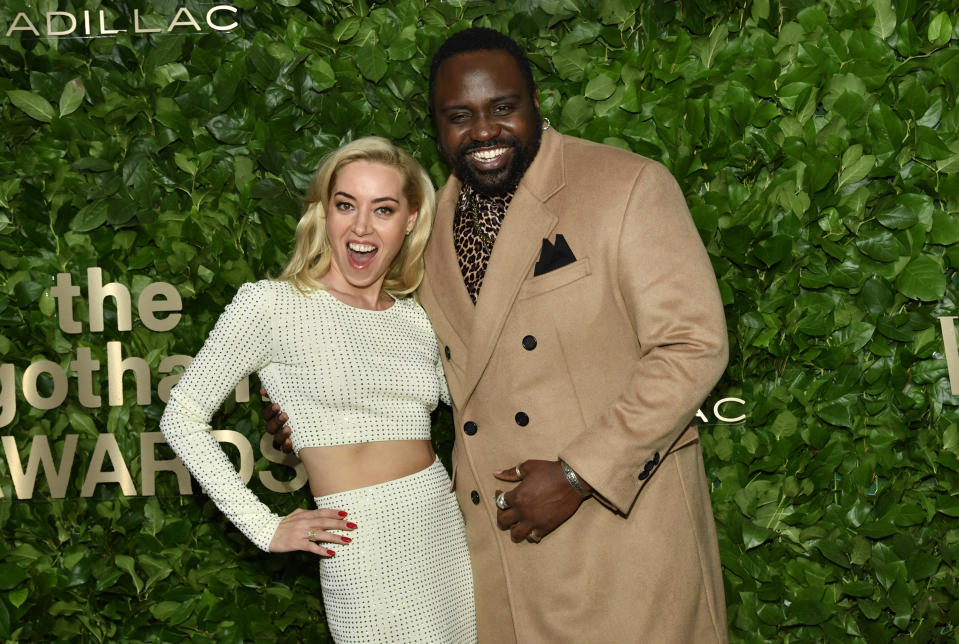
(361, 248)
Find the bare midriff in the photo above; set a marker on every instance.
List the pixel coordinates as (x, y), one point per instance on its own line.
(348, 467)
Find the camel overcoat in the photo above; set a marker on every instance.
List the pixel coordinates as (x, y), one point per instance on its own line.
(602, 362)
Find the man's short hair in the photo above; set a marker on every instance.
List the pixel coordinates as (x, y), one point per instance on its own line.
(479, 39)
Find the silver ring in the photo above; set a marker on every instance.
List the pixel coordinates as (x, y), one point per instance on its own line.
(519, 474)
(532, 537)
(501, 502)
(311, 535)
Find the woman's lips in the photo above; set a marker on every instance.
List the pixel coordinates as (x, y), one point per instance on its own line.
(360, 254)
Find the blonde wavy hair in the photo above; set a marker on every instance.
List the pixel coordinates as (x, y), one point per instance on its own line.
(311, 261)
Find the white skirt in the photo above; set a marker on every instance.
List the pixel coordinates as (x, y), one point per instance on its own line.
(406, 575)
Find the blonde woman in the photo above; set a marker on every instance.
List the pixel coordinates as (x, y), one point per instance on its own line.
(339, 343)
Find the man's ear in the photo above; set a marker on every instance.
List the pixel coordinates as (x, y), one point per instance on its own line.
(536, 98)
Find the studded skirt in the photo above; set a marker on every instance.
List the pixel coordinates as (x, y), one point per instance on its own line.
(406, 575)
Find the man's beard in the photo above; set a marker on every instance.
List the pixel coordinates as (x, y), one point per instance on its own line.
(501, 180)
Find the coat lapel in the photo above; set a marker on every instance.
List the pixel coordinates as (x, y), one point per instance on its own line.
(528, 221)
(443, 270)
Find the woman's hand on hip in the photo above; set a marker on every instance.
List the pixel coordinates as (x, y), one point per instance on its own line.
(302, 529)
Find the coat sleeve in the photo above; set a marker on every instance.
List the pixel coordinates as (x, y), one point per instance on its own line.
(241, 343)
(672, 299)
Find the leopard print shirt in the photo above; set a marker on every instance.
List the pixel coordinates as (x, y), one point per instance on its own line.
(472, 249)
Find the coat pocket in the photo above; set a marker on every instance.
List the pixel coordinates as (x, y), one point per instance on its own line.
(555, 279)
(688, 437)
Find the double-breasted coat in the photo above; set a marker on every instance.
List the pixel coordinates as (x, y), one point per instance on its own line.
(602, 362)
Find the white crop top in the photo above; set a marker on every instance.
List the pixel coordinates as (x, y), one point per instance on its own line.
(343, 375)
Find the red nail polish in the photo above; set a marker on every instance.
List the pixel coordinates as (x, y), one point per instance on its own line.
(346, 539)
(330, 552)
(350, 525)
(341, 513)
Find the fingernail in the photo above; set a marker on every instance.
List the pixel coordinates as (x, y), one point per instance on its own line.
(346, 539)
(351, 525)
(330, 553)
(341, 513)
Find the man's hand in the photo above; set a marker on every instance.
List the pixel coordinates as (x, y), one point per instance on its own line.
(276, 425)
(542, 501)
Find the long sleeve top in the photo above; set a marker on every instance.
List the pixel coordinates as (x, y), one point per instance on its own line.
(343, 375)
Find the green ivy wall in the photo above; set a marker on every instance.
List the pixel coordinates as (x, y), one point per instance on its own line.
(817, 146)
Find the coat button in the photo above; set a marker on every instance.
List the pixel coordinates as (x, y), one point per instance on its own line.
(529, 343)
(521, 419)
(643, 475)
(474, 497)
(649, 466)
(446, 352)
(470, 428)
(656, 458)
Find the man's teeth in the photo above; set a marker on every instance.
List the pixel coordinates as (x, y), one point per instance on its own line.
(361, 248)
(488, 153)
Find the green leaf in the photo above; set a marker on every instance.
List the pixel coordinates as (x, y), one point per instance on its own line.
(125, 563)
(18, 596)
(576, 113)
(34, 105)
(870, 609)
(940, 29)
(948, 165)
(322, 74)
(948, 507)
(755, 535)
(11, 576)
(881, 245)
(810, 612)
(775, 249)
(840, 412)
(922, 279)
(230, 129)
(82, 423)
(27, 292)
(904, 211)
(878, 529)
(90, 217)
(372, 62)
(47, 305)
(600, 87)
(759, 10)
(164, 610)
(856, 171)
(346, 29)
(945, 228)
(887, 129)
(885, 23)
(707, 50)
(613, 12)
(72, 96)
(858, 589)
(571, 63)
(185, 163)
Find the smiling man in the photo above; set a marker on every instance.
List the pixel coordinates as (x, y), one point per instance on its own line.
(581, 328)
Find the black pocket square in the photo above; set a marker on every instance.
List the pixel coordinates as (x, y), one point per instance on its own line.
(554, 255)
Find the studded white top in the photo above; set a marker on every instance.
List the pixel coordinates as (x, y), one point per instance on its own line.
(343, 375)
